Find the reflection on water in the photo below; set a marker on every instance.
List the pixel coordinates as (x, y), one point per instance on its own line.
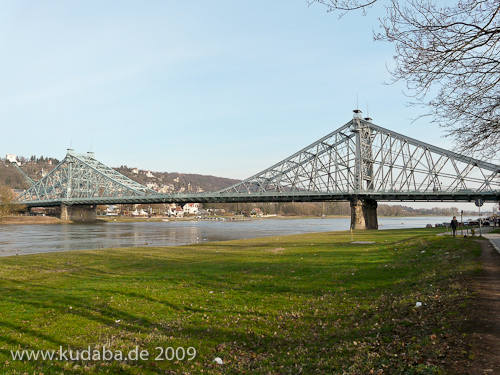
(30, 239)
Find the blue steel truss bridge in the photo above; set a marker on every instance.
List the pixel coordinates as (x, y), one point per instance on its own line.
(359, 162)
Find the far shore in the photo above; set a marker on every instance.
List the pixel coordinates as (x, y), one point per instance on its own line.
(28, 220)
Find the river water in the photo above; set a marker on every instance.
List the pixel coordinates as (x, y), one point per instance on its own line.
(31, 239)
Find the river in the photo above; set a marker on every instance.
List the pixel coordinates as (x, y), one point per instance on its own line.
(31, 239)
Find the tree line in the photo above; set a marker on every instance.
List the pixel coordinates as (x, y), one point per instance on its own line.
(327, 209)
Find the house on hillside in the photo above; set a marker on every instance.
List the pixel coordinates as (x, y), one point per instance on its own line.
(152, 185)
(149, 174)
(166, 188)
(135, 171)
(11, 158)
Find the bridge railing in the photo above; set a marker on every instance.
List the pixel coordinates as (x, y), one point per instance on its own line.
(287, 196)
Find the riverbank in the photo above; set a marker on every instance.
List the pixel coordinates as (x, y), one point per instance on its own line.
(129, 219)
(29, 220)
(312, 303)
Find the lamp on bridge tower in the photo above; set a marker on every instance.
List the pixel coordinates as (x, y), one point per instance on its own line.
(357, 114)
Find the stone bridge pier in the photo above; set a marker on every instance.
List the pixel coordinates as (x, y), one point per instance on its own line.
(79, 212)
(364, 213)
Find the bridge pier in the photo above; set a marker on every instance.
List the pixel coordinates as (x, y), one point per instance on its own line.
(79, 212)
(364, 213)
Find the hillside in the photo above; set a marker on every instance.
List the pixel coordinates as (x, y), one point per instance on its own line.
(34, 167)
(164, 182)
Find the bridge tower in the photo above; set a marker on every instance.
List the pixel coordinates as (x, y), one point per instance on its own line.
(363, 210)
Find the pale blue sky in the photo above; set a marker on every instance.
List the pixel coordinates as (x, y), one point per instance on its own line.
(225, 88)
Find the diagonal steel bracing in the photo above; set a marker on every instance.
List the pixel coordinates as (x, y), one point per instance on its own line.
(27, 178)
(80, 177)
(363, 158)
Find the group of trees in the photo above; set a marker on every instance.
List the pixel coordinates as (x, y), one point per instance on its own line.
(40, 159)
(328, 208)
(6, 198)
(449, 57)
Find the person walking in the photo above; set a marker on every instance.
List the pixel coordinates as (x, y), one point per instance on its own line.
(454, 225)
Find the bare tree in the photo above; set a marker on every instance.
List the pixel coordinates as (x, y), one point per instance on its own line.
(449, 57)
(7, 197)
(345, 5)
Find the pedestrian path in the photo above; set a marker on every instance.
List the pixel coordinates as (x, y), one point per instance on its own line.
(494, 239)
(467, 231)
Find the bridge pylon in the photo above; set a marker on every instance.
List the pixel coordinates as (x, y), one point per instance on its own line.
(363, 213)
(79, 212)
(364, 210)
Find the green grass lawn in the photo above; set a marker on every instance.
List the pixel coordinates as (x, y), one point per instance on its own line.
(312, 304)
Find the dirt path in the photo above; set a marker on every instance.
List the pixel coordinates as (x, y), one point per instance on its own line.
(485, 315)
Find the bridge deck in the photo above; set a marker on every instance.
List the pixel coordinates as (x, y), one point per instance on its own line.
(271, 197)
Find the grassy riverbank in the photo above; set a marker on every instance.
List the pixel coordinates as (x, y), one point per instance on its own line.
(312, 303)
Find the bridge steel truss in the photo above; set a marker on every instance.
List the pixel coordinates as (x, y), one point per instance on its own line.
(365, 160)
(27, 178)
(81, 178)
(360, 160)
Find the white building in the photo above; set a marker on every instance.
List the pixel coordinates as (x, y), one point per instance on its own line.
(191, 208)
(149, 174)
(170, 209)
(12, 158)
(179, 212)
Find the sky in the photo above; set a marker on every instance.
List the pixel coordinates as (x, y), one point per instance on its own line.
(224, 88)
